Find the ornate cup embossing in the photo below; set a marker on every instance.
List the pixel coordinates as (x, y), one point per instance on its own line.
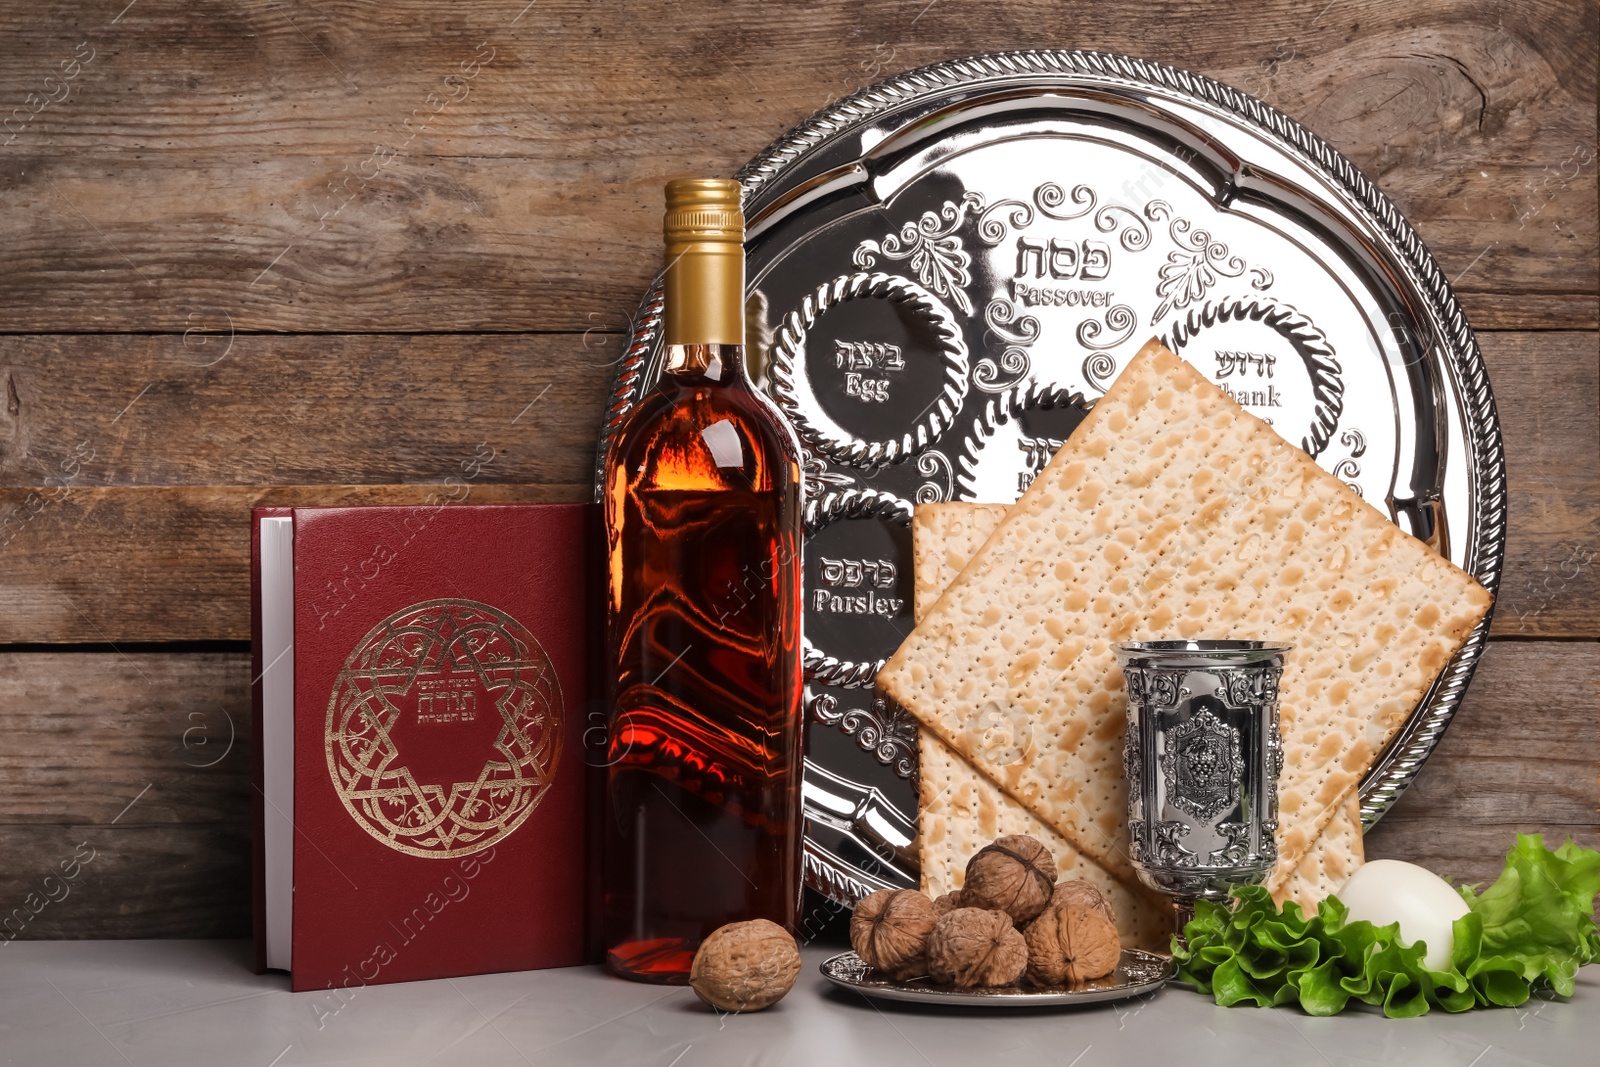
(1202, 756)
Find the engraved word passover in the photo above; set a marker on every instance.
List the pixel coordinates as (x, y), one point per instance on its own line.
(1061, 260)
(1088, 260)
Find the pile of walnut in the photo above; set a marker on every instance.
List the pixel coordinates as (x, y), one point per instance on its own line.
(1010, 919)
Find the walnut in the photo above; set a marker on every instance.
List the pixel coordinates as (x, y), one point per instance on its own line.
(890, 928)
(947, 902)
(1085, 893)
(1015, 875)
(976, 947)
(1072, 941)
(745, 966)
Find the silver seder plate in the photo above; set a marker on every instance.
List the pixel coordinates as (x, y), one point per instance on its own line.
(1138, 973)
(948, 267)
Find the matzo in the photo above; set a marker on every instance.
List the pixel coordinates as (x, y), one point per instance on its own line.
(1332, 858)
(1172, 512)
(961, 811)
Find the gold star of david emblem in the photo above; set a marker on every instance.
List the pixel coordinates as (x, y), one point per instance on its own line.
(444, 728)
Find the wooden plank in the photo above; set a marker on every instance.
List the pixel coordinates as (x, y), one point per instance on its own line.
(125, 739)
(133, 770)
(1523, 754)
(189, 880)
(1532, 311)
(288, 167)
(340, 409)
(89, 732)
(167, 563)
(1546, 387)
(97, 559)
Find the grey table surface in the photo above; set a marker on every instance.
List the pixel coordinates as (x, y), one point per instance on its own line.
(175, 1003)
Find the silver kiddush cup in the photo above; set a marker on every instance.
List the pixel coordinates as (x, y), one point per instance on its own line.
(1202, 758)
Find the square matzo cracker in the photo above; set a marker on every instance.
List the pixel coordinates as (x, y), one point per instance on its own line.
(961, 811)
(1172, 512)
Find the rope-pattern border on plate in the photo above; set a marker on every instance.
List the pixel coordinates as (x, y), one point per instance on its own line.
(788, 352)
(820, 511)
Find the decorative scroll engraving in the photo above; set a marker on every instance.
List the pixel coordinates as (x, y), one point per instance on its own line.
(1246, 687)
(1098, 369)
(1013, 365)
(1169, 845)
(1050, 196)
(1136, 840)
(429, 668)
(815, 474)
(885, 730)
(1001, 317)
(1269, 836)
(996, 377)
(1135, 236)
(933, 249)
(935, 466)
(1154, 689)
(992, 224)
(1193, 268)
(1348, 468)
(1122, 319)
(1203, 766)
(1237, 850)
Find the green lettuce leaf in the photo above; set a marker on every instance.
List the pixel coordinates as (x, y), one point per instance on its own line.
(1541, 911)
(1530, 931)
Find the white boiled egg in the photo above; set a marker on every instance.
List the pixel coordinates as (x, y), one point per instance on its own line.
(1386, 891)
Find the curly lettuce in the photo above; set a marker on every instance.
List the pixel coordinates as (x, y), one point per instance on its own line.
(1529, 931)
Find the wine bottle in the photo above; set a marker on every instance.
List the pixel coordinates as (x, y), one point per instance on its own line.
(702, 509)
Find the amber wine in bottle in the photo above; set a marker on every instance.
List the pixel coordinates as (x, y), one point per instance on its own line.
(702, 506)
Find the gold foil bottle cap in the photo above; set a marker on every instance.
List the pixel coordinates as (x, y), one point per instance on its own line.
(703, 209)
(704, 228)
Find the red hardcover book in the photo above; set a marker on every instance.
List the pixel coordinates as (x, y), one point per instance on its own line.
(435, 681)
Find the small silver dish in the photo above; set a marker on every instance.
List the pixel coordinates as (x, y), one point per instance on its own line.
(1137, 974)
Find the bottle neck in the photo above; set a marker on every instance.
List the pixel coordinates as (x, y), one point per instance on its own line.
(690, 364)
(704, 293)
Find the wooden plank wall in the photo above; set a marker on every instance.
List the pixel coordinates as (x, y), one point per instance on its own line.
(270, 250)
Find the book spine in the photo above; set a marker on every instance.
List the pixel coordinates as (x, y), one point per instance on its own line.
(258, 805)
